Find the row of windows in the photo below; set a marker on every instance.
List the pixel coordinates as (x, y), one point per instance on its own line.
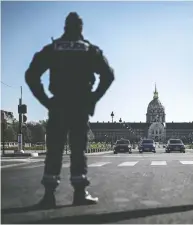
(115, 133)
(170, 132)
(115, 130)
(179, 131)
(156, 132)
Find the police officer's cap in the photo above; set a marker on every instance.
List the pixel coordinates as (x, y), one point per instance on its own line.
(73, 19)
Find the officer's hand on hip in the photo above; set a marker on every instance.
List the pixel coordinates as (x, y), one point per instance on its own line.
(51, 103)
(92, 104)
(48, 103)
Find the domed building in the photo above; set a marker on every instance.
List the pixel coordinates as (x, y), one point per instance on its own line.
(156, 117)
(155, 110)
(155, 127)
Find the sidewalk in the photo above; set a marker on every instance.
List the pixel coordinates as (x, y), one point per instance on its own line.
(36, 153)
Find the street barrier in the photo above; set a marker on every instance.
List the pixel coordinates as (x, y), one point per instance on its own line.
(35, 153)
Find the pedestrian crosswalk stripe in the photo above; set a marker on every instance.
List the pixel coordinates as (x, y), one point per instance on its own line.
(158, 163)
(187, 162)
(27, 165)
(128, 163)
(65, 165)
(98, 164)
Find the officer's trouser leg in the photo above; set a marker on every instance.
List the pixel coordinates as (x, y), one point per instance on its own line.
(56, 138)
(78, 143)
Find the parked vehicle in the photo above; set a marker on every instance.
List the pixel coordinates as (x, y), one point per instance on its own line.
(147, 145)
(175, 145)
(122, 145)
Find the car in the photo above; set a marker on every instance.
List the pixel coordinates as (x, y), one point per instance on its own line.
(175, 145)
(122, 145)
(147, 145)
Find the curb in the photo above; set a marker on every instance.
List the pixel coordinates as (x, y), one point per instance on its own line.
(98, 153)
(36, 154)
(42, 153)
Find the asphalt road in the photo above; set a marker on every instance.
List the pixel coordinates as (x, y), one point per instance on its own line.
(132, 188)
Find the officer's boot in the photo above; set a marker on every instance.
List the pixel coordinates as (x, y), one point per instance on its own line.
(48, 201)
(50, 183)
(82, 197)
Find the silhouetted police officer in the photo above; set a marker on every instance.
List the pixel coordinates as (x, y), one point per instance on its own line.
(72, 62)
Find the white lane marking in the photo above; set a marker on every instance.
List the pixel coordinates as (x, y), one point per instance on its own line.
(187, 162)
(98, 153)
(65, 165)
(14, 165)
(121, 200)
(14, 160)
(150, 203)
(132, 156)
(98, 164)
(37, 160)
(158, 163)
(128, 163)
(33, 166)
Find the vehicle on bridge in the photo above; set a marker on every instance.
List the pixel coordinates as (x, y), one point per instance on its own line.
(122, 145)
(175, 145)
(147, 145)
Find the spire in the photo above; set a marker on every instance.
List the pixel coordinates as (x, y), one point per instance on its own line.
(155, 96)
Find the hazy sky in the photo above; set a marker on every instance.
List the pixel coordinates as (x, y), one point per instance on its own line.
(144, 43)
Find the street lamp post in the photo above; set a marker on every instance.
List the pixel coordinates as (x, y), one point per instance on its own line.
(106, 141)
(120, 121)
(67, 145)
(3, 121)
(45, 147)
(112, 115)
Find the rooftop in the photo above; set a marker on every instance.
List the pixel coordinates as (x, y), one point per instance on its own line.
(139, 125)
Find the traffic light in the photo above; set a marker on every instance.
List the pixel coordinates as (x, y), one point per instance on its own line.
(24, 118)
(22, 109)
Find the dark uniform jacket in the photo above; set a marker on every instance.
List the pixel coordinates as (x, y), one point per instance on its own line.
(72, 64)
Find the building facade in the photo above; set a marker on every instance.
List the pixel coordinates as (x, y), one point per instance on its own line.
(155, 127)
